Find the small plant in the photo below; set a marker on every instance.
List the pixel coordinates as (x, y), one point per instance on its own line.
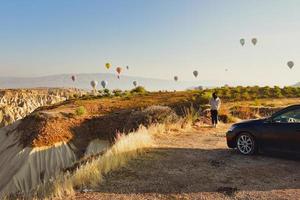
(80, 111)
(117, 92)
(191, 114)
(127, 95)
(107, 92)
(139, 90)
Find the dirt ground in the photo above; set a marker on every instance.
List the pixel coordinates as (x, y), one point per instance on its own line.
(198, 165)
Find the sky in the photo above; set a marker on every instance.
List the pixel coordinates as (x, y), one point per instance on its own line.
(155, 38)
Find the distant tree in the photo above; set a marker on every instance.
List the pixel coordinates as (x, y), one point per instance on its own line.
(276, 92)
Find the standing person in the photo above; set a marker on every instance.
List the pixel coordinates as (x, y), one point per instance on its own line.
(215, 103)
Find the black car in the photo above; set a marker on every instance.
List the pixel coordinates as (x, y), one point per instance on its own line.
(280, 132)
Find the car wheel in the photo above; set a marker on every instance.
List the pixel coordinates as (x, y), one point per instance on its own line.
(246, 144)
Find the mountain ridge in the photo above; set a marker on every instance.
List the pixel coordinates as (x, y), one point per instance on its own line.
(83, 82)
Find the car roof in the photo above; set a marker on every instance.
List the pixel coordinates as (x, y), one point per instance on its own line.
(294, 106)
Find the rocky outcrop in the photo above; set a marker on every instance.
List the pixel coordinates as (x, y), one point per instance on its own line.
(23, 169)
(15, 104)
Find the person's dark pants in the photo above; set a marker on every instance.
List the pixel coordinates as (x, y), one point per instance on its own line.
(214, 116)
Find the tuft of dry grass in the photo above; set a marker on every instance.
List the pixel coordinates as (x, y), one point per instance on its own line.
(191, 115)
(126, 148)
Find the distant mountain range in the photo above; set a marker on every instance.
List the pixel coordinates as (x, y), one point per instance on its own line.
(124, 83)
(297, 84)
(83, 82)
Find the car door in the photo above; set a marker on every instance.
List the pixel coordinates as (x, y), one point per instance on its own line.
(282, 132)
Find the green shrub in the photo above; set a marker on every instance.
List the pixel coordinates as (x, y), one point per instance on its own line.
(248, 93)
(106, 92)
(204, 97)
(80, 111)
(117, 92)
(139, 90)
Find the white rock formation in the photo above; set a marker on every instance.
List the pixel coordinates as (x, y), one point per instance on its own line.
(16, 104)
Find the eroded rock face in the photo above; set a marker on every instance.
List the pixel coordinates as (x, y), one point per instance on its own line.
(18, 103)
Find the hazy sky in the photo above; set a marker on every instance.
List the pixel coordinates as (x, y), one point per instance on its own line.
(156, 38)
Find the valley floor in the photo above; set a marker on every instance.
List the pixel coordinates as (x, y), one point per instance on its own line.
(198, 165)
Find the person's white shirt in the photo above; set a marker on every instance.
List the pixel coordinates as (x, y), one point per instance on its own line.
(215, 103)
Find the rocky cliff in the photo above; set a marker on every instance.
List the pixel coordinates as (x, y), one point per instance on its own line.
(15, 104)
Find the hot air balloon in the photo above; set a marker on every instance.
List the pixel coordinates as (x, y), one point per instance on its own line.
(107, 65)
(242, 41)
(290, 64)
(104, 84)
(73, 78)
(176, 78)
(119, 70)
(195, 73)
(127, 67)
(254, 41)
(135, 83)
(94, 84)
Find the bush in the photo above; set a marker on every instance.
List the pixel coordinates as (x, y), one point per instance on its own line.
(80, 111)
(106, 92)
(117, 92)
(191, 114)
(152, 115)
(204, 97)
(139, 90)
(248, 93)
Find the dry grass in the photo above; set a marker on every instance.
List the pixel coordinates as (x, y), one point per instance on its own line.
(91, 174)
(126, 148)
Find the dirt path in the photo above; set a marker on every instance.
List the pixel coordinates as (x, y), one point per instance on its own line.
(198, 165)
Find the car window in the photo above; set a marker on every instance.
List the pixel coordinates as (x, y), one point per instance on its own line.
(292, 116)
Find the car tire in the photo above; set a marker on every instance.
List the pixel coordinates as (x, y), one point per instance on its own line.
(246, 144)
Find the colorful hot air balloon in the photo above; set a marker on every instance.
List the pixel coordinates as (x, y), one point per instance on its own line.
(73, 78)
(242, 41)
(119, 70)
(195, 73)
(107, 65)
(135, 83)
(176, 78)
(254, 41)
(104, 84)
(290, 64)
